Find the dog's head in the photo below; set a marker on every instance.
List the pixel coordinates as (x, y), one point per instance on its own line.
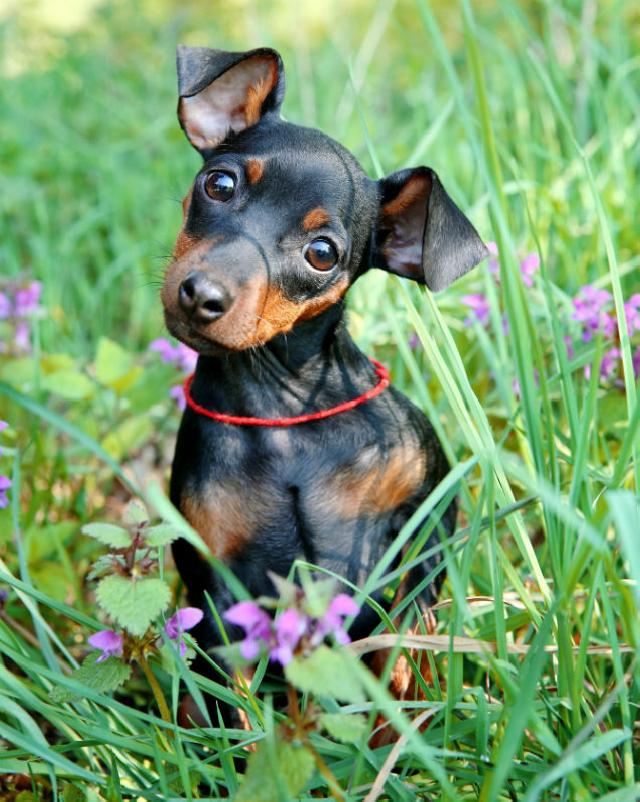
(281, 219)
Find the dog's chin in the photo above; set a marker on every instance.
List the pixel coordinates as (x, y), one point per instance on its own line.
(191, 337)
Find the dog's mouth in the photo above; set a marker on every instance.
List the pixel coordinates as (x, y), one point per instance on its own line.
(191, 335)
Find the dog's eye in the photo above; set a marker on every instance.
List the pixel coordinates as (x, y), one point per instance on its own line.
(320, 254)
(219, 185)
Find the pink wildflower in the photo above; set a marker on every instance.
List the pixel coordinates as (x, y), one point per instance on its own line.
(529, 266)
(479, 305)
(589, 310)
(108, 642)
(289, 627)
(5, 484)
(177, 393)
(181, 621)
(27, 299)
(256, 624)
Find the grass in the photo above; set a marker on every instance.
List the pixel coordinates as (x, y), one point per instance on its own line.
(529, 115)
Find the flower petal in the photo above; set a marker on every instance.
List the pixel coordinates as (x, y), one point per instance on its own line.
(282, 654)
(290, 626)
(106, 640)
(188, 617)
(343, 605)
(250, 648)
(246, 614)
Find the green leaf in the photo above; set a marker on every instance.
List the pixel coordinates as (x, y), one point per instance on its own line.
(287, 591)
(68, 384)
(318, 594)
(17, 372)
(344, 727)
(103, 565)
(576, 758)
(135, 514)
(127, 436)
(133, 603)
(109, 534)
(161, 535)
(42, 541)
(103, 677)
(72, 793)
(53, 579)
(293, 765)
(150, 388)
(53, 363)
(326, 672)
(114, 366)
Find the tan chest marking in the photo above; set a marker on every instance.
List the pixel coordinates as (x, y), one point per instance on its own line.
(378, 482)
(227, 517)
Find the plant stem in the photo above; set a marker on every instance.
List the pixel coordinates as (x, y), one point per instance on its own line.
(155, 687)
(296, 717)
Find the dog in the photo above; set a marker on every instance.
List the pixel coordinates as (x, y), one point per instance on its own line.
(293, 445)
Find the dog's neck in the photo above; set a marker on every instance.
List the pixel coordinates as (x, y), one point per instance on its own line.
(313, 367)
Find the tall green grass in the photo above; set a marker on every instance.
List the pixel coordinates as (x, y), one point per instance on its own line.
(529, 115)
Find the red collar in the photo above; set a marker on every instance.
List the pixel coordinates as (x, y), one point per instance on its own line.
(381, 372)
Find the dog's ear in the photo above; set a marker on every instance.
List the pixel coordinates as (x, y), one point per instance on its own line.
(222, 92)
(421, 233)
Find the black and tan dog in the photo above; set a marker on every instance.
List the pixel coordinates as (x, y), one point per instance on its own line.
(279, 223)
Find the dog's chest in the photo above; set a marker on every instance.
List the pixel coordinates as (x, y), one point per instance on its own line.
(301, 489)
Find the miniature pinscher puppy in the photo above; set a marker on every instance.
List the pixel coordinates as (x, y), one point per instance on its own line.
(279, 223)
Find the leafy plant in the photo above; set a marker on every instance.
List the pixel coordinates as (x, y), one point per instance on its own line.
(134, 599)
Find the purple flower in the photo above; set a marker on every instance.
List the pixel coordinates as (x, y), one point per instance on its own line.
(607, 366)
(22, 336)
(5, 306)
(414, 341)
(332, 622)
(185, 358)
(256, 624)
(108, 642)
(5, 484)
(163, 347)
(609, 363)
(181, 621)
(636, 362)
(588, 309)
(27, 299)
(632, 313)
(479, 306)
(180, 355)
(177, 393)
(529, 266)
(290, 626)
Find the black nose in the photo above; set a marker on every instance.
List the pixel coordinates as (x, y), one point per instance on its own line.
(202, 299)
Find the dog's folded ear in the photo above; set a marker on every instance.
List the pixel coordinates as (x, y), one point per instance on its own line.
(223, 93)
(421, 233)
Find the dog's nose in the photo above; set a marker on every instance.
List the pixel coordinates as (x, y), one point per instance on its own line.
(202, 299)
